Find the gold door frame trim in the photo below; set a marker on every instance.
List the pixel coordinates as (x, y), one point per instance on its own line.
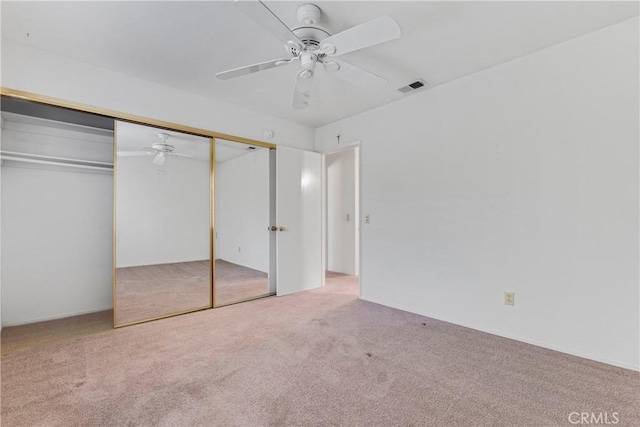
(42, 99)
(212, 223)
(115, 234)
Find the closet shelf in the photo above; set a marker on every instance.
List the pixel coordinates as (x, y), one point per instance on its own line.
(55, 161)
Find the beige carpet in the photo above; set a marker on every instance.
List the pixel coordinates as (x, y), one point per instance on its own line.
(334, 275)
(158, 290)
(151, 291)
(320, 357)
(18, 337)
(236, 283)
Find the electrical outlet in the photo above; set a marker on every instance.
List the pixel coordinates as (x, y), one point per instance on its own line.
(367, 219)
(509, 298)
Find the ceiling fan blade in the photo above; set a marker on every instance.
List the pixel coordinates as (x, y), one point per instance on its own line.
(134, 153)
(262, 15)
(371, 33)
(302, 91)
(181, 155)
(358, 77)
(249, 69)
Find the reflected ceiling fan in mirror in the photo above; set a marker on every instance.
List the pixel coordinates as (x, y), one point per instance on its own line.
(160, 151)
(311, 44)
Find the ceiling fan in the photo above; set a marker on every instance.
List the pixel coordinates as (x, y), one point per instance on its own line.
(311, 44)
(160, 151)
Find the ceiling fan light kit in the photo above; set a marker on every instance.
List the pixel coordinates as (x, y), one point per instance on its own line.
(159, 159)
(311, 44)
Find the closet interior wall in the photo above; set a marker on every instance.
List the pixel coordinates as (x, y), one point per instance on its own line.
(56, 216)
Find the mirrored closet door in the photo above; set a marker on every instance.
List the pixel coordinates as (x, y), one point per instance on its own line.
(244, 241)
(163, 223)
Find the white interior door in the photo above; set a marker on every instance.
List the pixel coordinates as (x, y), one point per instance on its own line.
(299, 217)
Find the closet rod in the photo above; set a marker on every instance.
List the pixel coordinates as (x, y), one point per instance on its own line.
(55, 161)
(47, 162)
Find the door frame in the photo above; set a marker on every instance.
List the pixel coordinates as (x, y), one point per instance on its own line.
(358, 173)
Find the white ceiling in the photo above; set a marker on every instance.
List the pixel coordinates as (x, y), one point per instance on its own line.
(228, 150)
(183, 44)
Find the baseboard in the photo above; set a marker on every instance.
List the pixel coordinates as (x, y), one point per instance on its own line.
(56, 317)
(560, 349)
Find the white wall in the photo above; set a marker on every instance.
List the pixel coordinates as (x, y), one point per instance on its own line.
(524, 178)
(341, 211)
(162, 211)
(32, 70)
(56, 226)
(242, 210)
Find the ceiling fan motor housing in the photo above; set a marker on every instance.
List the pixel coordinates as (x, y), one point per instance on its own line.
(163, 147)
(310, 38)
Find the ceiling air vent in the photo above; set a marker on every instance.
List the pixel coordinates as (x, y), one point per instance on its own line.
(412, 87)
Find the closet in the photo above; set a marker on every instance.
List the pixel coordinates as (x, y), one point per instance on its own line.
(56, 195)
(100, 211)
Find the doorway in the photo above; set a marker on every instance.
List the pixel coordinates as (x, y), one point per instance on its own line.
(342, 219)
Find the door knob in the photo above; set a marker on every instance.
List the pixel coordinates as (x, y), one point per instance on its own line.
(282, 229)
(273, 228)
